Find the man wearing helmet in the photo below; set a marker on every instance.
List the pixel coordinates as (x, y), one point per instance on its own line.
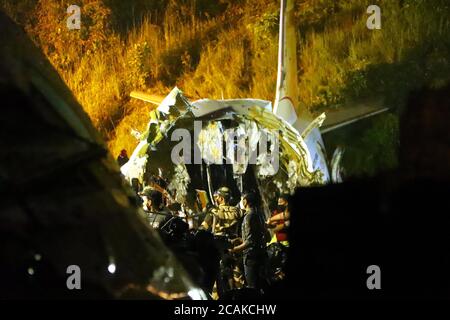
(223, 220)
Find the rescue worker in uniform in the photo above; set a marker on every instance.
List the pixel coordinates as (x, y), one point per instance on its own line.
(224, 222)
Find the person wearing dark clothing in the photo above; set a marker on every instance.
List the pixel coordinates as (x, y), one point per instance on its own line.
(137, 188)
(153, 207)
(122, 158)
(253, 245)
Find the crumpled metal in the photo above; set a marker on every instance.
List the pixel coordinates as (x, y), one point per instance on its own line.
(179, 183)
(210, 143)
(237, 153)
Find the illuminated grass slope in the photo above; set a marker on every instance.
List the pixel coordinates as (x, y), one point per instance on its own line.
(225, 48)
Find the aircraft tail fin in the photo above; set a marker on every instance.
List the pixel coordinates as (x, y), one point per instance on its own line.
(286, 99)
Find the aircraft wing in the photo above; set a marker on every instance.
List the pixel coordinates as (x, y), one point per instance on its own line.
(152, 98)
(351, 114)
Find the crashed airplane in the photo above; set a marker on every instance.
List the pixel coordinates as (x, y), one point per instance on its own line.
(302, 155)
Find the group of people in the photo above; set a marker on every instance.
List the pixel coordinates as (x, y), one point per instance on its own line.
(242, 227)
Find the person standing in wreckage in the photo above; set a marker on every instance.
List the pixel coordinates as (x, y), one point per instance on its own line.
(224, 220)
(253, 243)
(280, 220)
(153, 206)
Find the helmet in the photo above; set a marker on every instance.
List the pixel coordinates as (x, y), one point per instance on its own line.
(223, 191)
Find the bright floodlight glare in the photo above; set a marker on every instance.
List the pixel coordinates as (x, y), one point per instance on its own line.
(112, 268)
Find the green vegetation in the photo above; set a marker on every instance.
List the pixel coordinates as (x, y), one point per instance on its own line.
(370, 146)
(226, 48)
(345, 60)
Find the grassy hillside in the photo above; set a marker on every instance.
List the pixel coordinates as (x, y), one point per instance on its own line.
(215, 48)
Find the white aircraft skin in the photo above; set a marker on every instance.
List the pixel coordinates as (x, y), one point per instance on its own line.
(286, 98)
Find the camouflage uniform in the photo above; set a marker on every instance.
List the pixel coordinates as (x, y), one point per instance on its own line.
(225, 220)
